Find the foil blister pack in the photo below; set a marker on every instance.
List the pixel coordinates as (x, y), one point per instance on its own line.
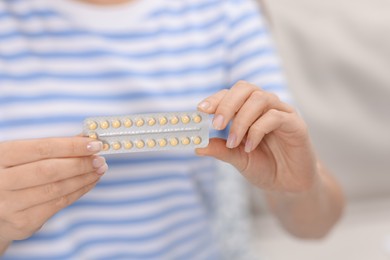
(149, 132)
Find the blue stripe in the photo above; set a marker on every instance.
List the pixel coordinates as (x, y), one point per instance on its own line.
(164, 11)
(91, 223)
(198, 235)
(93, 242)
(153, 198)
(29, 15)
(116, 74)
(251, 35)
(185, 10)
(202, 246)
(85, 54)
(42, 121)
(108, 97)
(132, 36)
(257, 72)
(113, 161)
(256, 54)
(164, 177)
(246, 17)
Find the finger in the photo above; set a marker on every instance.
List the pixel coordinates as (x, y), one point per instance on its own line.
(272, 120)
(209, 105)
(217, 149)
(38, 215)
(48, 171)
(30, 197)
(25, 151)
(231, 103)
(254, 107)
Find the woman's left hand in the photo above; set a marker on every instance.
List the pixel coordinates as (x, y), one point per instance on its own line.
(268, 141)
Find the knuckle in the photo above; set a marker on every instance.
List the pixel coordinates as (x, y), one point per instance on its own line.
(44, 169)
(256, 129)
(73, 146)
(216, 98)
(62, 201)
(273, 98)
(275, 113)
(44, 148)
(258, 94)
(241, 84)
(52, 189)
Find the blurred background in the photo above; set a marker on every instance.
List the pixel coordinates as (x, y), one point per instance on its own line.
(336, 56)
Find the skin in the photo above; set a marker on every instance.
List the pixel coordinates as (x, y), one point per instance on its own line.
(41, 177)
(269, 144)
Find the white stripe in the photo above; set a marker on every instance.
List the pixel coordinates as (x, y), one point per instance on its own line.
(86, 42)
(48, 86)
(96, 108)
(253, 64)
(63, 245)
(73, 215)
(100, 64)
(147, 248)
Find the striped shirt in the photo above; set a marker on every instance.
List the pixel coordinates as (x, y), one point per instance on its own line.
(62, 61)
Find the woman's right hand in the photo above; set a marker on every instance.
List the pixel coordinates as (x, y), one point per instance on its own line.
(42, 176)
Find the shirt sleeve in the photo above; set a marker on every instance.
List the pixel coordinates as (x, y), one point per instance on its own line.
(251, 54)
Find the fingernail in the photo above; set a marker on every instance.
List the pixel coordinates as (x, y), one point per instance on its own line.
(98, 162)
(102, 169)
(248, 146)
(204, 105)
(95, 146)
(231, 141)
(218, 122)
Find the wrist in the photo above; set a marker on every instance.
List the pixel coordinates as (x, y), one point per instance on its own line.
(311, 188)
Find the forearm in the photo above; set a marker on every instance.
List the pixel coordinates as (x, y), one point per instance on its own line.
(309, 214)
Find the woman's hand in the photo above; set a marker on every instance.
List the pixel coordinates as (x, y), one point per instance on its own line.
(268, 142)
(40, 177)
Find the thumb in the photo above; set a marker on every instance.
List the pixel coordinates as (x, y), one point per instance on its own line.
(217, 149)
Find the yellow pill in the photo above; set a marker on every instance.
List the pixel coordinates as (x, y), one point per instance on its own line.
(106, 146)
(151, 143)
(174, 120)
(128, 145)
(116, 123)
(140, 122)
(173, 141)
(196, 140)
(185, 140)
(151, 121)
(185, 119)
(140, 144)
(162, 142)
(127, 122)
(92, 125)
(163, 120)
(104, 124)
(197, 119)
(93, 135)
(116, 146)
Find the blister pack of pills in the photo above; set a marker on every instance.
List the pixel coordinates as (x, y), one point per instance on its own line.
(149, 132)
